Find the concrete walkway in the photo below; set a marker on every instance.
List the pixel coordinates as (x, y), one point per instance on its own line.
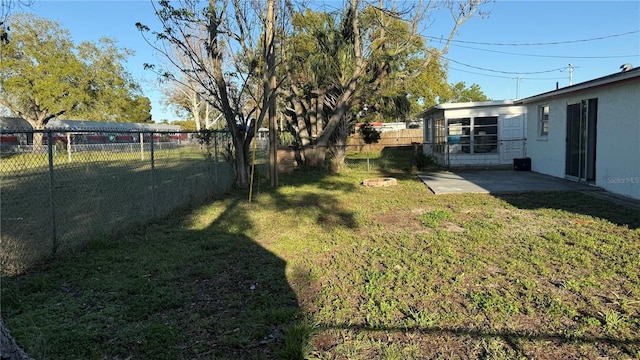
(498, 182)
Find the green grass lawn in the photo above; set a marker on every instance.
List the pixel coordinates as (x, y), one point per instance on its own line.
(324, 268)
(96, 193)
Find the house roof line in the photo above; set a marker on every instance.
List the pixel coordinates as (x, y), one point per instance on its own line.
(16, 123)
(465, 105)
(619, 77)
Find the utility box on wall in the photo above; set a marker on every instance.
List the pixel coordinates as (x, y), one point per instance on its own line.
(522, 164)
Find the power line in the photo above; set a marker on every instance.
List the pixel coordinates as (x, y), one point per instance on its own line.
(549, 56)
(506, 77)
(537, 44)
(505, 72)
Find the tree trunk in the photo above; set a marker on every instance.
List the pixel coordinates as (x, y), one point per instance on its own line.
(9, 349)
(337, 159)
(37, 140)
(300, 109)
(195, 110)
(339, 146)
(315, 157)
(240, 138)
(271, 88)
(242, 168)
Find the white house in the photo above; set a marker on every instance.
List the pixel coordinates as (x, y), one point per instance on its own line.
(475, 133)
(589, 132)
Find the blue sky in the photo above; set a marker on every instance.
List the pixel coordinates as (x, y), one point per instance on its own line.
(502, 71)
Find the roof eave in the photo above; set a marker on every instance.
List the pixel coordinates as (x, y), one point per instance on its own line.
(465, 105)
(587, 85)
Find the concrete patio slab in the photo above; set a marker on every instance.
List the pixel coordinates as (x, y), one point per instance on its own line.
(498, 182)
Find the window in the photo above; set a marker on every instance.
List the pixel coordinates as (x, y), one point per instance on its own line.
(459, 136)
(439, 135)
(543, 121)
(485, 134)
(473, 135)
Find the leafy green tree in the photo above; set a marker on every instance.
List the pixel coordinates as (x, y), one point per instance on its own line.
(186, 125)
(113, 94)
(41, 78)
(6, 8)
(319, 60)
(459, 92)
(43, 75)
(364, 58)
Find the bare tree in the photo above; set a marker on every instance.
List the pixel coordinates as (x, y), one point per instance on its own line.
(185, 94)
(228, 64)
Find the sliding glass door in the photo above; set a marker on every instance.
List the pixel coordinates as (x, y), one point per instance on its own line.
(580, 162)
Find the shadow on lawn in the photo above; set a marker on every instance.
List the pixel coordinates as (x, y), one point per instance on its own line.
(241, 291)
(575, 202)
(166, 291)
(517, 340)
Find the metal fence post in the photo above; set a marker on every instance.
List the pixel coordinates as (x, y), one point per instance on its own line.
(54, 237)
(141, 134)
(153, 182)
(69, 147)
(215, 164)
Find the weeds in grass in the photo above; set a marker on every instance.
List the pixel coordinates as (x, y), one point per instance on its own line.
(297, 344)
(491, 301)
(434, 218)
(496, 349)
(611, 320)
(420, 318)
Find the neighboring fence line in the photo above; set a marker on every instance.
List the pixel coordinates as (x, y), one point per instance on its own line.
(404, 137)
(58, 195)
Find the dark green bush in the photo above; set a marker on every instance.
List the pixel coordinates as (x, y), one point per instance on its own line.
(423, 161)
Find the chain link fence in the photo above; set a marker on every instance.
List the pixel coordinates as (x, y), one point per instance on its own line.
(76, 186)
(397, 157)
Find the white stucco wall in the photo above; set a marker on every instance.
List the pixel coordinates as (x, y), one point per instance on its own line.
(617, 143)
(547, 153)
(618, 140)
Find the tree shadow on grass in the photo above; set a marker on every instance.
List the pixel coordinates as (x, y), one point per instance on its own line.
(575, 202)
(520, 342)
(176, 289)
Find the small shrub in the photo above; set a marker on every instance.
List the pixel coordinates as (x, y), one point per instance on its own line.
(205, 138)
(424, 161)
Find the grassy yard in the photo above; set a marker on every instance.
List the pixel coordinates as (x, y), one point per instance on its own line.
(96, 193)
(324, 268)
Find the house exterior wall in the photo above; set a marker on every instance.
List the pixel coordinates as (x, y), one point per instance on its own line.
(505, 115)
(617, 137)
(547, 152)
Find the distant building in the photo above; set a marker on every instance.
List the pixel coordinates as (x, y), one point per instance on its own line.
(16, 134)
